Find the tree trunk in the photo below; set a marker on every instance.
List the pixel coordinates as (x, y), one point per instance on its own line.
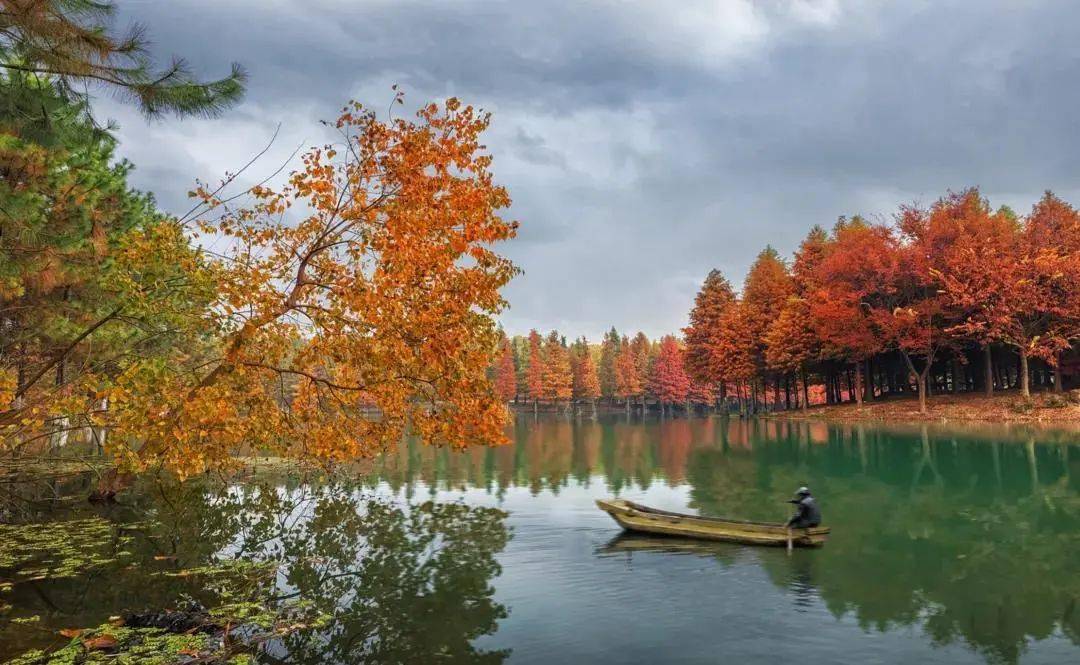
(1025, 383)
(988, 370)
(858, 389)
(1057, 375)
(920, 378)
(805, 391)
(868, 381)
(999, 379)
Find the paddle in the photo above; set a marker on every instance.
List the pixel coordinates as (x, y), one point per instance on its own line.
(788, 532)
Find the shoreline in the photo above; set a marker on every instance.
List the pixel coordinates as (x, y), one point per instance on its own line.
(1056, 410)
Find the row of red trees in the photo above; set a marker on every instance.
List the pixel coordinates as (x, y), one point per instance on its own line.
(890, 306)
(631, 371)
(956, 297)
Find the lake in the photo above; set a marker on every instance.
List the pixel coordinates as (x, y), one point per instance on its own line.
(948, 546)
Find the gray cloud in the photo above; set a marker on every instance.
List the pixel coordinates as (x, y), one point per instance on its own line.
(645, 143)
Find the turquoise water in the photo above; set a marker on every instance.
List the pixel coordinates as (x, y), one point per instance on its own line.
(948, 546)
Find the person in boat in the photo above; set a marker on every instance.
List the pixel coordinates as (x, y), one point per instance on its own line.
(807, 512)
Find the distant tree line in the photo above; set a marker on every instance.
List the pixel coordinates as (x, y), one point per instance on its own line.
(957, 297)
(631, 372)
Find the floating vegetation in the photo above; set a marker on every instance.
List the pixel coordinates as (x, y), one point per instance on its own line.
(218, 573)
(56, 550)
(118, 644)
(246, 617)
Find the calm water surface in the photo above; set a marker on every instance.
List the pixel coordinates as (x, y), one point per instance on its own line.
(948, 546)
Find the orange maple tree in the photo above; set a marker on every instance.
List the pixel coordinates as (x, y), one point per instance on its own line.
(366, 284)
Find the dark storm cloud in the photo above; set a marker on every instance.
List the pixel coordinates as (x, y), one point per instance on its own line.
(647, 143)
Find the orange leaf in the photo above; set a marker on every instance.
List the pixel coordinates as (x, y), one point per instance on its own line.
(101, 643)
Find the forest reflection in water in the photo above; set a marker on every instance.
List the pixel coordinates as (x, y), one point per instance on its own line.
(967, 534)
(395, 583)
(948, 545)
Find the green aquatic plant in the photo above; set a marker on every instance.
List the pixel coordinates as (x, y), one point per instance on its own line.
(246, 616)
(55, 550)
(216, 573)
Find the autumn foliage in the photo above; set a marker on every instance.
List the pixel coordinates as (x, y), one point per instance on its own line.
(586, 379)
(354, 304)
(670, 383)
(534, 370)
(557, 376)
(954, 296)
(891, 308)
(505, 372)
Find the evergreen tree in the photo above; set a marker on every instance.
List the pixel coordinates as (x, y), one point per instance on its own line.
(73, 44)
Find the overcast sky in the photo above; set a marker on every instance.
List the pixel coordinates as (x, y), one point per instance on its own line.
(647, 143)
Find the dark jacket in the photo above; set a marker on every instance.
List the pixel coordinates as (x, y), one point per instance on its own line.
(808, 513)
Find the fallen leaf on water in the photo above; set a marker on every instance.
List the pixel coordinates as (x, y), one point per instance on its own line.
(100, 643)
(162, 557)
(71, 632)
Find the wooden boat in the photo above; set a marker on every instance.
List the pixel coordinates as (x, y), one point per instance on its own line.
(636, 517)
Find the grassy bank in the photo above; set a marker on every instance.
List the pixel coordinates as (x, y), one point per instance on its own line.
(1005, 407)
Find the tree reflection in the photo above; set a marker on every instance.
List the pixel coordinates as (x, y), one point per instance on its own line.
(398, 583)
(969, 535)
(958, 537)
(402, 585)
